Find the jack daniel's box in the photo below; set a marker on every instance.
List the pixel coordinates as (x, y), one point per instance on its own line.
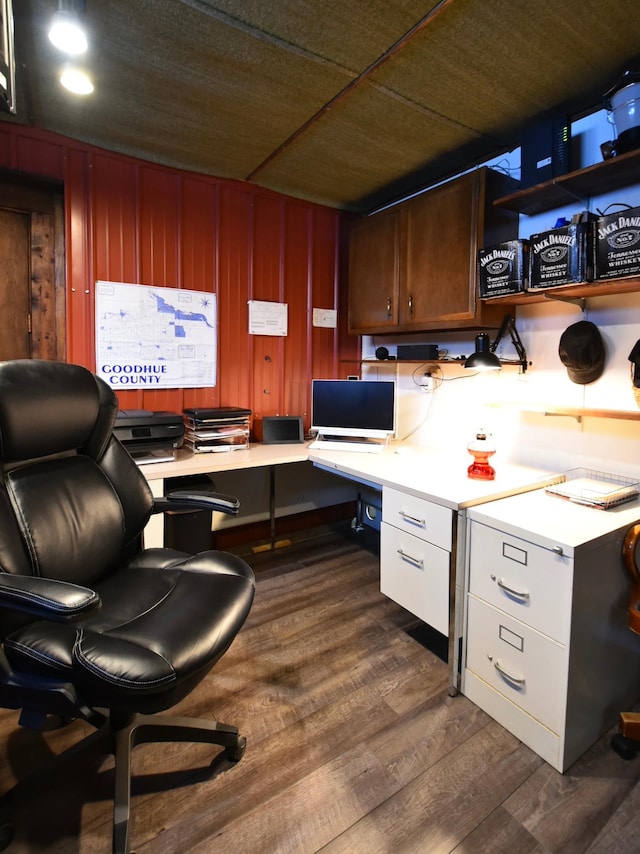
(616, 245)
(561, 256)
(503, 268)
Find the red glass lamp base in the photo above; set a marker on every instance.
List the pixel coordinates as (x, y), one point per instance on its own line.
(479, 470)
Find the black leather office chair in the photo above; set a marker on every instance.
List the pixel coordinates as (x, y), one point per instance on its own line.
(92, 625)
(626, 742)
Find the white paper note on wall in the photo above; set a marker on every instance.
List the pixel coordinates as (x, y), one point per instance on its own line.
(325, 317)
(267, 318)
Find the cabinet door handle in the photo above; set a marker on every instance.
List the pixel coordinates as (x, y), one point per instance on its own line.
(415, 560)
(519, 593)
(517, 680)
(389, 305)
(413, 519)
(411, 304)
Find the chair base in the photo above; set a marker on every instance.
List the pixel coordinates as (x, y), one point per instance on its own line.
(118, 735)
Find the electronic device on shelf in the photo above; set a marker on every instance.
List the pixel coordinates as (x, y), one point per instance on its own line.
(545, 149)
(352, 415)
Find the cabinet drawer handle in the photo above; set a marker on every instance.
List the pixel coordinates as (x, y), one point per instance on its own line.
(517, 680)
(413, 519)
(415, 560)
(520, 594)
(558, 550)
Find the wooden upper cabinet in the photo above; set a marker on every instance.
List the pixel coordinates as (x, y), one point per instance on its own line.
(374, 269)
(440, 241)
(414, 266)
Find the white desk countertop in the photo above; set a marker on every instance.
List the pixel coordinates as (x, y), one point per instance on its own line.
(208, 463)
(432, 474)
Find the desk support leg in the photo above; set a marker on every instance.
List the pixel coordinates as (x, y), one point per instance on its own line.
(273, 543)
(457, 588)
(272, 504)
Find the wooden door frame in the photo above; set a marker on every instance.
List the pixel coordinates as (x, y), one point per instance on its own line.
(43, 200)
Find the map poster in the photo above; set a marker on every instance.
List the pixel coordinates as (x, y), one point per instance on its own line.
(152, 338)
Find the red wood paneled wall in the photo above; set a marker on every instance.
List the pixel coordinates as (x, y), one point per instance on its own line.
(127, 220)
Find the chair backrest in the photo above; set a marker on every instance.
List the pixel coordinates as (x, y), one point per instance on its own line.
(72, 501)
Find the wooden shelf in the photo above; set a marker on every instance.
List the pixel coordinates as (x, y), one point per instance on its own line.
(617, 414)
(526, 298)
(412, 361)
(579, 186)
(582, 290)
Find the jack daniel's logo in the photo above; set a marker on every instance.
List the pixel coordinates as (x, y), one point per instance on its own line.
(554, 240)
(622, 232)
(500, 265)
(497, 261)
(554, 247)
(624, 239)
(554, 254)
(631, 223)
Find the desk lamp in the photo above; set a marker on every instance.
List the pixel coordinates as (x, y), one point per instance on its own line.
(485, 359)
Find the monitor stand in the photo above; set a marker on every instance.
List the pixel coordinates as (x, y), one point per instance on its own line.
(330, 442)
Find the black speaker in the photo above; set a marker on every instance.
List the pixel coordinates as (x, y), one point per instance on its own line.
(417, 351)
(282, 429)
(382, 353)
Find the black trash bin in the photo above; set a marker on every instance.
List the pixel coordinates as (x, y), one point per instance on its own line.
(188, 531)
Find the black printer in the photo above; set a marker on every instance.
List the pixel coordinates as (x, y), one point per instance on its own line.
(150, 437)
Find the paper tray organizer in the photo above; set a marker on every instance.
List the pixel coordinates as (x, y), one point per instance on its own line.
(216, 430)
(594, 488)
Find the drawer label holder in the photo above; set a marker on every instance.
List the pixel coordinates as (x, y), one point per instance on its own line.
(514, 640)
(513, 553)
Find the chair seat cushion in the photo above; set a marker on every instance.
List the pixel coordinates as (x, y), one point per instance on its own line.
(153, 637)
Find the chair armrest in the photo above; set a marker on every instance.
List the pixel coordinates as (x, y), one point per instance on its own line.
(184, 500)
(46, 598)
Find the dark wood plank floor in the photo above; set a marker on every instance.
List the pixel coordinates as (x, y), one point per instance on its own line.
(353, 745)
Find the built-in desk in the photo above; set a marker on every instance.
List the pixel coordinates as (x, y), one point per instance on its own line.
(435, 533)
(188, 464)
(425, 496)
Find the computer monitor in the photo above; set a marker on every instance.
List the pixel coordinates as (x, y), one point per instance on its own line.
(355, 408)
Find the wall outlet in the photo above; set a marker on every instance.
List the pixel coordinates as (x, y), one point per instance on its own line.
(426, 382)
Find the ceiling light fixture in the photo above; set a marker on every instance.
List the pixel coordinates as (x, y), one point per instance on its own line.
(66, 32)
(485, 359)
(76, 80)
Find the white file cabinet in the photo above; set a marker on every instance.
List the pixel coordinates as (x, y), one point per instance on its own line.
(548, 653)
(416, 539)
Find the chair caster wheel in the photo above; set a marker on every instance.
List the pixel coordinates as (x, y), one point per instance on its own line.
(6, 834)
(626, 748)
(235, 752)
